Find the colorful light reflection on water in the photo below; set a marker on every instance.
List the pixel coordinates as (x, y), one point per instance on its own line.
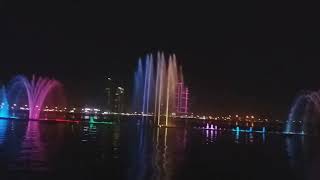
(129, 150)
(3, 129)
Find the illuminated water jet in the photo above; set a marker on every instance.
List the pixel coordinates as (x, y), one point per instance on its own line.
(155, 87)
(4, 106)
(304, 114)
(37, 91)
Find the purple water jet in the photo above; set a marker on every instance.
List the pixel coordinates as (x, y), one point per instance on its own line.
(37, 90)
(304, 114)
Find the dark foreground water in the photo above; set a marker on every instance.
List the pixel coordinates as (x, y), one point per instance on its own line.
(41, 150)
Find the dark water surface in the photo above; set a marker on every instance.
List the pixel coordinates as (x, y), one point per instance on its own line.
(127, 150)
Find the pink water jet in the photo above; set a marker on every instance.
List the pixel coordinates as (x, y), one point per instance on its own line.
(37, 90)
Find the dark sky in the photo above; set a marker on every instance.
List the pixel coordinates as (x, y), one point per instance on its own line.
(236, 58)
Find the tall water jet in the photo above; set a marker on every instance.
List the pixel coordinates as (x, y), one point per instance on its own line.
(172, 80)
(148, 84)
(304, 114)
(155, 88)
(37, 91)
(138, 88)
(4, 106)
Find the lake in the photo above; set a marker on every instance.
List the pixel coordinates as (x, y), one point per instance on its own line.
(133, 150)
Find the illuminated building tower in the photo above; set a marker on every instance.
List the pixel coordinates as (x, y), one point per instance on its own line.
(118, 102)
(114, 97)
(109, 94)
(182, 99)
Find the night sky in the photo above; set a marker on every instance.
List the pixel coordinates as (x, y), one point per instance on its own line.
(234, 60)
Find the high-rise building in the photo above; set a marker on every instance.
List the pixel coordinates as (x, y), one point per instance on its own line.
(109, 91)
(114, 97)
(182, 99)
(118, 105)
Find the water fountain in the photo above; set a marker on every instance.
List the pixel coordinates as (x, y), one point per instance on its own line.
(304, 113)
(4, 106)
(155, 87)
(37, 91)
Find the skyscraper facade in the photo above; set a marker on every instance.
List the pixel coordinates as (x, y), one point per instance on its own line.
(114, 97)
(118, 101)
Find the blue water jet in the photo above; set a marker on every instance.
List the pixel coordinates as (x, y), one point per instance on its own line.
(264, 130)
(4, 106)
(138, 88)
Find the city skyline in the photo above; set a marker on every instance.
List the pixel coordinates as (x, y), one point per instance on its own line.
(221, 100)
(159, 91)
(227, 69)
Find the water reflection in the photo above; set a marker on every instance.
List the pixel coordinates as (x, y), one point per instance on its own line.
(157, 153)
(249, 138)
(135, 150)
(161, 155)
(237, 137)
(3, 130)
(100, 149)
(213, 136)
(169, 152)
(210, 135)
(302, 152)
(33, 151)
